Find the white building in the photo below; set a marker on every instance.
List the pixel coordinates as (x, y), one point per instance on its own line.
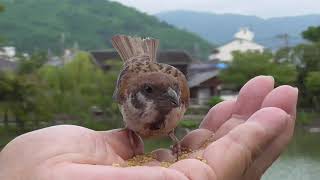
(8, 53)
(243, 42)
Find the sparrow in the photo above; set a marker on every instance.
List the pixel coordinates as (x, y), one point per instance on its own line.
(152, 96)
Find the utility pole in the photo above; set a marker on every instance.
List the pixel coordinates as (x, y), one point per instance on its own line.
(62, 40)
(285, 38)
(196, 51)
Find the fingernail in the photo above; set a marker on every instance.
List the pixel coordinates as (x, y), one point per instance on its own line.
(269, 77)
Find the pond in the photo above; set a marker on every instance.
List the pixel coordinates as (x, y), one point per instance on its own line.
(301, 161)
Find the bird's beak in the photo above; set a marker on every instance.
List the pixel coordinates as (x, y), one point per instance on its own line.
(172, 97)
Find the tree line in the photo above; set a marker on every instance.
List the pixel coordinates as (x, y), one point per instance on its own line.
(38, 95)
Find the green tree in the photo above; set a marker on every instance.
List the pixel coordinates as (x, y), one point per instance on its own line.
(19, 97)
(5, 94)
(78, 87)
(313, 87)
(307, 59)
(250, 64)
(49, 20)
(1, 8)
(312, 34)
(30, 64)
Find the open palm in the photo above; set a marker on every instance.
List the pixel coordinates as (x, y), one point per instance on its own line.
(250, 133)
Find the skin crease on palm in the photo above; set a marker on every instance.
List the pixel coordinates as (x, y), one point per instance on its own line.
(250, 133)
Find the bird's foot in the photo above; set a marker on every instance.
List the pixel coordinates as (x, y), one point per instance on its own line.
(176, 147)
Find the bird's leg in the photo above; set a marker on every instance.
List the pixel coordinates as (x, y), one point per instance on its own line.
(176, 148)
(135, 142)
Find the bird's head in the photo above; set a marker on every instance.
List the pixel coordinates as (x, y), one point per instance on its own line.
(159, 89)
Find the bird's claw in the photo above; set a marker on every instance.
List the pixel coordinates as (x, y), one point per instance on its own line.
(176, 147)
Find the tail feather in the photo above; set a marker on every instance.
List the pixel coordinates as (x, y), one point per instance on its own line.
(129, 47)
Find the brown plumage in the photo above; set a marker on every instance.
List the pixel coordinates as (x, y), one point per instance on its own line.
(153, 97)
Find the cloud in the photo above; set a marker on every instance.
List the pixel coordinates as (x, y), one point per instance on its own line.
(262, 8)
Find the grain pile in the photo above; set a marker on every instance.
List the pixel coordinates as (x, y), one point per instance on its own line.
(141, 160)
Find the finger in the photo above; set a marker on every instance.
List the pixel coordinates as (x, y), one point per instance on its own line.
(231, 155)
(249, 101)
(194, 169)
(217, 115)
(120, 143)
(96, 172)
(163, 155)
(252, 95)
(195, 139)
(284, 97)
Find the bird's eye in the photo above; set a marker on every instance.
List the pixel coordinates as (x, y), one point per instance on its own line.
(148, 89)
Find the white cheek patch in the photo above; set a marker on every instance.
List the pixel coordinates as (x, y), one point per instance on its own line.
(150, 108)
(149, 104)
(141, 97)
(136, 119)
(129, 103)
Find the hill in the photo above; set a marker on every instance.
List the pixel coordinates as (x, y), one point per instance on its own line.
(219, 28)
(52, 24)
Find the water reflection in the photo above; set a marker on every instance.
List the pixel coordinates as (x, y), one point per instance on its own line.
(300, 162)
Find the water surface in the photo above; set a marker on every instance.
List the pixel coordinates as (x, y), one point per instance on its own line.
(301, 161)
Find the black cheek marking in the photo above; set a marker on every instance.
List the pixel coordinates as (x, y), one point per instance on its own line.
(176, 74)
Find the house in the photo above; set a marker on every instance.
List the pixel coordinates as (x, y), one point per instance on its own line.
(203, 82)
(57, 61)
(243, 42)
(177, 58)
(8, 53)
(103, 58)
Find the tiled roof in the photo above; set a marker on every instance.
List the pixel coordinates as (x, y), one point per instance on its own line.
(199, 78)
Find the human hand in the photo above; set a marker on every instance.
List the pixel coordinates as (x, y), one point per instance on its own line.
(249, 137)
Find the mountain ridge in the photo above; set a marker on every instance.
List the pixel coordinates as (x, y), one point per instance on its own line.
(267, 30)
(50, 24)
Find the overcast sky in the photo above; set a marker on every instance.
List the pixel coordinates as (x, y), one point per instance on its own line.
(261, 8)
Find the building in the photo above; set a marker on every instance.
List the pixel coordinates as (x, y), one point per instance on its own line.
(243, 42)
(177, 58)
(8, 53)
(104, 58)
(68, 56)
(203, 82)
